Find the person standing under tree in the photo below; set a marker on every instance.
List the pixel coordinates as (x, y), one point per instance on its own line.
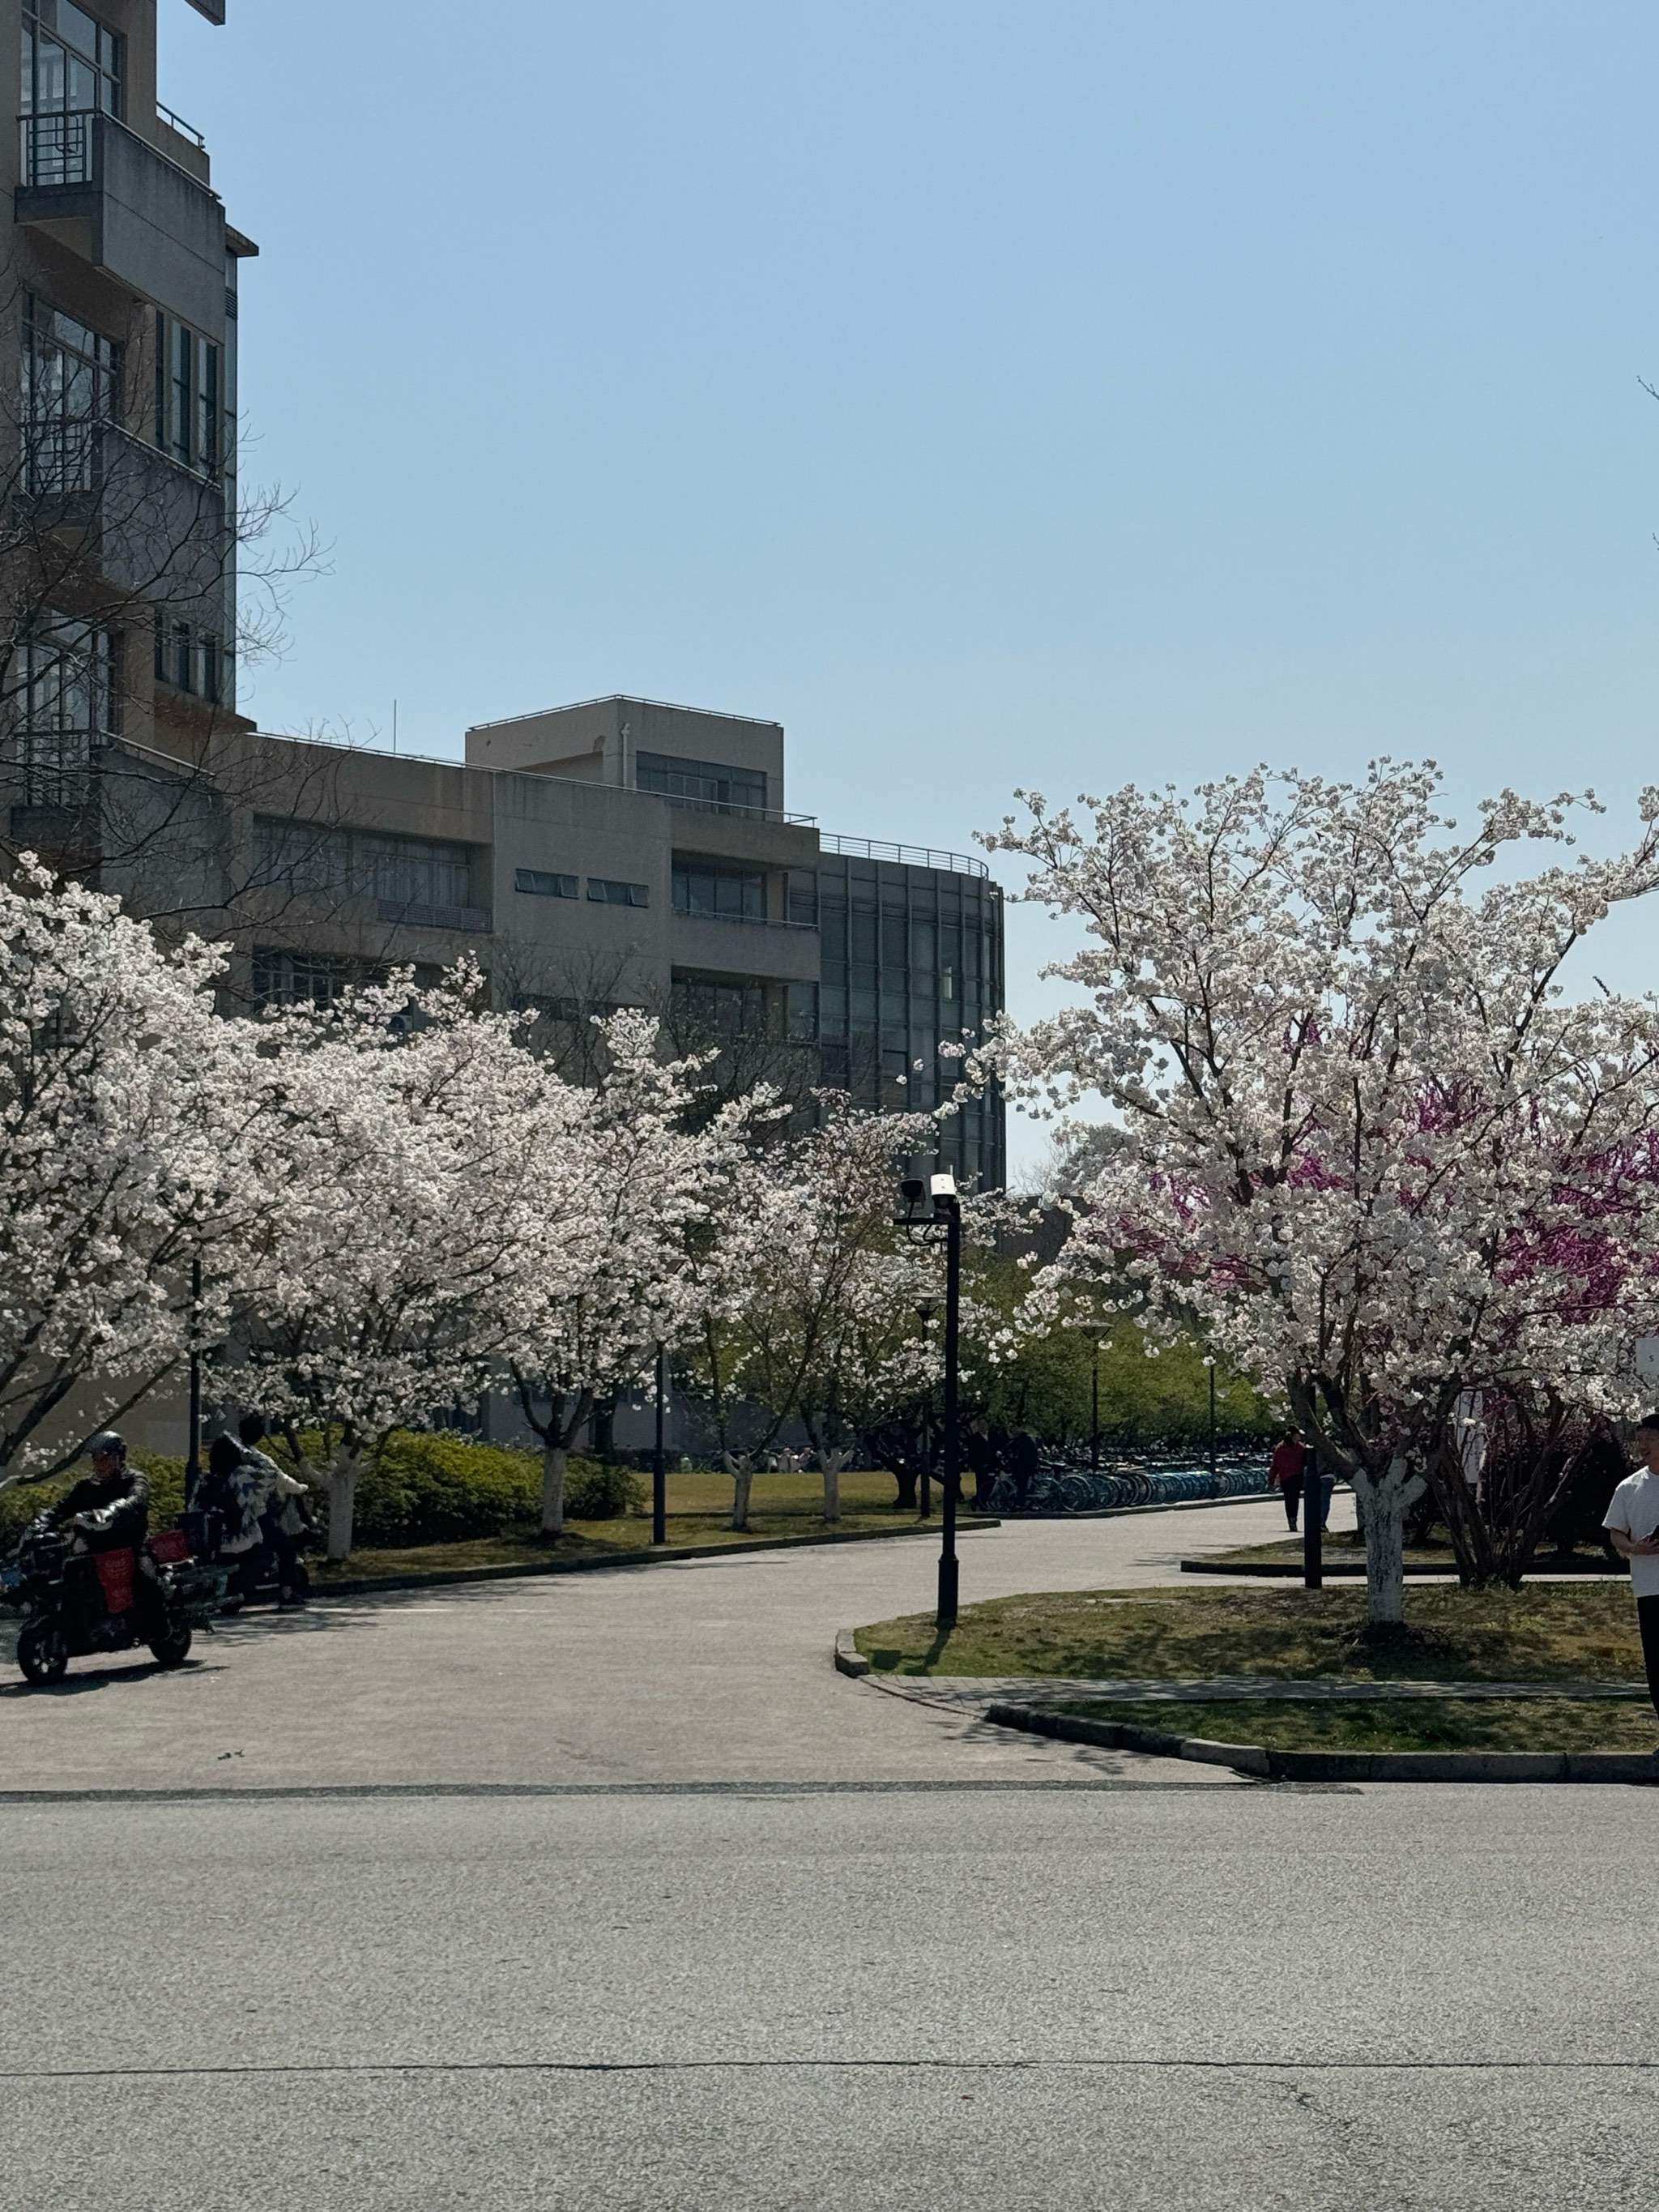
(1632, 1523)
(1286, 1470)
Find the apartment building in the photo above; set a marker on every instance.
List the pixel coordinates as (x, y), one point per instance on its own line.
(118, 313)
(618, 852)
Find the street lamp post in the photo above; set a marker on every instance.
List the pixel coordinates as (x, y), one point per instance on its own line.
(1213, 1417)
(945, 1226)
(658, 1465)
(194, 1457)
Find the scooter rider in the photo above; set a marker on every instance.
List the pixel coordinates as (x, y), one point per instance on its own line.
(107, 1510)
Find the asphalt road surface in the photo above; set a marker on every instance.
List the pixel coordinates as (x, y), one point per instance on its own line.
(739, 1934)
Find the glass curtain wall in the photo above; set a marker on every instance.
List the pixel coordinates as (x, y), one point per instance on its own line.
(912, 960)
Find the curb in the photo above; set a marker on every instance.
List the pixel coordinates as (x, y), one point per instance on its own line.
(1354, 1571)
(1256, 1759)
(440, 1578)
(849, 1658)
(1015, 1519)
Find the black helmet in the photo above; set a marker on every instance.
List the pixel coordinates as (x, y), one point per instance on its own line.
(107, 1440)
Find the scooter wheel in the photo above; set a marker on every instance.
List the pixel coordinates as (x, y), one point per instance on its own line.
(43, 1652)
(171, 1650)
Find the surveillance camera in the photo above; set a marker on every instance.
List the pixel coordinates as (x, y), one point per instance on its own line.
(943, 1185)
(912, 1190)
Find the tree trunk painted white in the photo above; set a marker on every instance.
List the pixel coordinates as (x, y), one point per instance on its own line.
(740, 1465)
(1386, 1498)
(343, 1500)
(831, 1464)
(554, 1460)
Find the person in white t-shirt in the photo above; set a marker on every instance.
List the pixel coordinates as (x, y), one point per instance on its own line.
(1632, 1525)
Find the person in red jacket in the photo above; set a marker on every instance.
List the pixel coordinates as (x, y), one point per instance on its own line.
(1287, 1469)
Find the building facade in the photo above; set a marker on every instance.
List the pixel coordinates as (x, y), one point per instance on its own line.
(118, 320)
(620, 853)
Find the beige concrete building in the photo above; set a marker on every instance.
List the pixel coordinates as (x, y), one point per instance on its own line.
(618, 852)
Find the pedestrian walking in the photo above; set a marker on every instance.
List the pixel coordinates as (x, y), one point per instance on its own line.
(1632, 1523)
(981, 1453)
(1287, 1468)
(1023, 1466)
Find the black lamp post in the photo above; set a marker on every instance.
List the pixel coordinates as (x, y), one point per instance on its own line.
(194, 1457)
(925, 1312)
(658, 1465)
(945, 1227)
(1094, 1330)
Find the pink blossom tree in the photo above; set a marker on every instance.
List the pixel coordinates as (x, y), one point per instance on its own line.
(1354, 1119)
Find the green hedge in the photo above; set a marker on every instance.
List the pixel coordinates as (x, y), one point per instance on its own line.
(420, 1489)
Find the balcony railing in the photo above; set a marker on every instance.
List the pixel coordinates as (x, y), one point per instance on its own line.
(177, 123)
(728, 806)
(907, 856)
(744, 920)
(58, 148)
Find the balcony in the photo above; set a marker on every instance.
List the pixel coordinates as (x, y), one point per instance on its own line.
(109, 196)
(774, 951)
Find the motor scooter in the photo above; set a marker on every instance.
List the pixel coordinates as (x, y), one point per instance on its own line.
(75, 1603)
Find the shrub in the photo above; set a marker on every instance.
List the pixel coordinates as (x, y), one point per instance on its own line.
(441, 1489)
(597, 1492)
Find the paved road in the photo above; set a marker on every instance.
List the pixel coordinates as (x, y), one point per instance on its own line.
(621, 1898)
(740, 2001)
(715, 1669)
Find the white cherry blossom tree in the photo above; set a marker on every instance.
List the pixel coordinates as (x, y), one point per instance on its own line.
(1354, 1122)
(408, 1136)
(632, 1254)
(125, 1142)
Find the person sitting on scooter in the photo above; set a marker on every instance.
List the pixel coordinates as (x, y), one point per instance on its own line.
(110, 1507)
(107, 1510)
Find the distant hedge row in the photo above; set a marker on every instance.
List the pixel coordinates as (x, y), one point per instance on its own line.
(420, 1489)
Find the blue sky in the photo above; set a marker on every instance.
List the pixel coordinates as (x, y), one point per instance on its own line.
(1041, 392)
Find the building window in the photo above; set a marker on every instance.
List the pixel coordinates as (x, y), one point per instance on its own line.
(300, 979)
(711, 893)
(71, 391)
(802, 1013)
(542, 883)
(66, 700)
(72, 72)
(187, 388)
(604, 890)
(707, 784)
(723, 1006)
(404, 871)
(192, 660)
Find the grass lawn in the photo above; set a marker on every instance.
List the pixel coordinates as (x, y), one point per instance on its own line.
(1403, 1724)
(1548, 1631)
(699, 1514)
